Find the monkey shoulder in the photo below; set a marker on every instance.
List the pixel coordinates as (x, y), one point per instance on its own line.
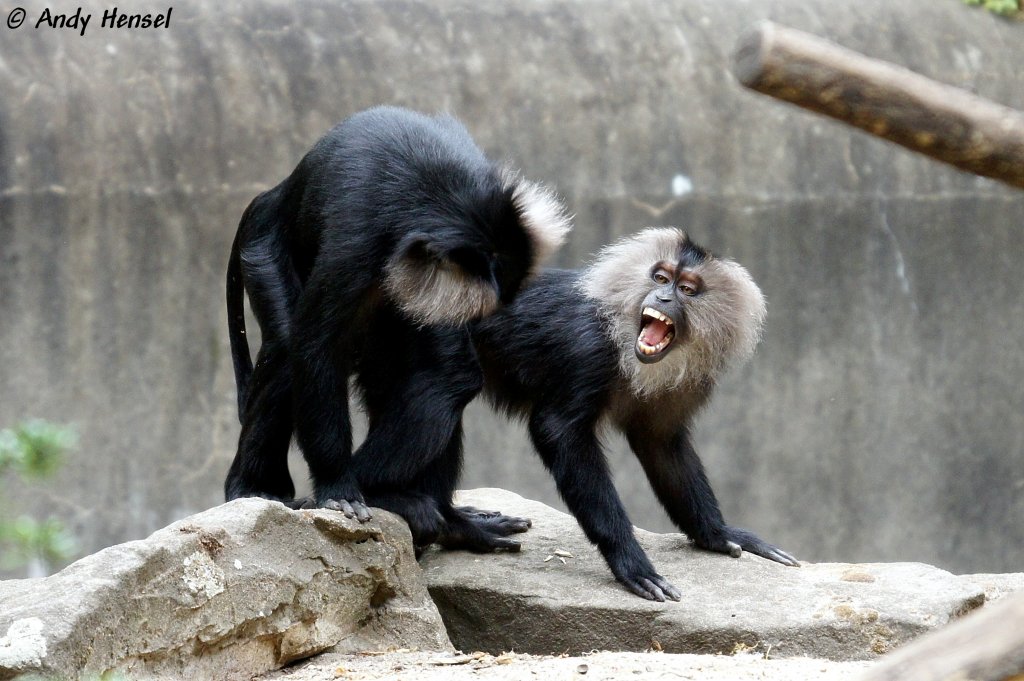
(385, 171)
(550, 340)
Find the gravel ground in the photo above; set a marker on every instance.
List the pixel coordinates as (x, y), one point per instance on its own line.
(427, 666)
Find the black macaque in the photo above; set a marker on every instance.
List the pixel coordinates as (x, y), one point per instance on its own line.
(392, 233)
(635, 342)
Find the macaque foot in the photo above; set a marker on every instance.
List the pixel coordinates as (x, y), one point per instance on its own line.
(345, 498)
(305, 503)
(457, 537)
(494, 521)
(353, 508)
(473, 510)
(638, 575)
(735, 541)
(650, 585)
(472, 529)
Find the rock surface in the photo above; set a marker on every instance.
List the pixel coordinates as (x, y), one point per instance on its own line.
(419, 666)
(540, 602)
(997, 586)
(235, 591)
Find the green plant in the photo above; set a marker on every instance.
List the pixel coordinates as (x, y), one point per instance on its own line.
(34, 450)
(1003, 7)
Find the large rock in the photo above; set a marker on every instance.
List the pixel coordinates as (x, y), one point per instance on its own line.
(539, 601)
(237, 590)
(997, 586)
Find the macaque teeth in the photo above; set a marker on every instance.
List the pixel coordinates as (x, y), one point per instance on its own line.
(654, 349)
(651, 312)
(646, 349)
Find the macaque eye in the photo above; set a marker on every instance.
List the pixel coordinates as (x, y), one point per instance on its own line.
(661, 278)
(690, 284)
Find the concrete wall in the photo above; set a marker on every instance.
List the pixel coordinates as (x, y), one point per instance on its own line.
(881, 419)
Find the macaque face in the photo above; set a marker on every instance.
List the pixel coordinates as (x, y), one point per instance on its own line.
(663, 312)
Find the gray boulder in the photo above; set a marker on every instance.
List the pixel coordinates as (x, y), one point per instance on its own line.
(997, 586)
(558, 595)
(235, 591)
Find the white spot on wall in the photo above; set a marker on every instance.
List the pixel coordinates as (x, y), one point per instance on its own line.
(681, 185)
(970, 58)
(24, 646)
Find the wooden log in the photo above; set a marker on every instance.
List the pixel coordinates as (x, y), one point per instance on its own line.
(944, 122)
(986, 645)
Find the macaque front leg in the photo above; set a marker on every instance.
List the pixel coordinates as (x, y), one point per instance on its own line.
(677, 476)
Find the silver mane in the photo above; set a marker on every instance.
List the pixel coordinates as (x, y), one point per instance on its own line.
(723, 323)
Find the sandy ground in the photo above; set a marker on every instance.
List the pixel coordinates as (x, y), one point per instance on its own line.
(427, 666)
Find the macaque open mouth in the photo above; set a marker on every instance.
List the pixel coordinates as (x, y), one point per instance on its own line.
(657, 331)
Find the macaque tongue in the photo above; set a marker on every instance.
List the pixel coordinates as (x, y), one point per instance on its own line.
(654, 332)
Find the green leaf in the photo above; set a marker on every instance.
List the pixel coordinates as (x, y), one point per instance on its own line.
(38, 448)
(26, 538)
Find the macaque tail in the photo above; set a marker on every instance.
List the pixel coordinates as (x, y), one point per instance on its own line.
(236, 324)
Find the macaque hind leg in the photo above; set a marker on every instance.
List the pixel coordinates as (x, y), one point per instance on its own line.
(260, 467)
(465, 527)
(418, 510)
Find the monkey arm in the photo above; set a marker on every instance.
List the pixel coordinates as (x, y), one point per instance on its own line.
(681, 485)
(571, 452)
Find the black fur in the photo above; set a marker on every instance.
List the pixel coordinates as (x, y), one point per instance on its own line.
(326, 258)
(549, 357)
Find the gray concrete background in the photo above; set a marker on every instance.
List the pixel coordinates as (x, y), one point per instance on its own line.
(880, 420)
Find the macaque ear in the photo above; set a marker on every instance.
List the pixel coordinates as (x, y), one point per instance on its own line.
(433, 284)
(470, 260)
(420, 247)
